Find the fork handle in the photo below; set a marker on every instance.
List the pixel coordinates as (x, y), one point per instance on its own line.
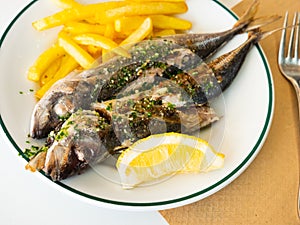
(296, 84)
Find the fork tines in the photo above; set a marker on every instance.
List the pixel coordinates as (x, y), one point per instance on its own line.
(294, 38)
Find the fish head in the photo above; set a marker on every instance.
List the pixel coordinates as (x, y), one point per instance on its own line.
(77, 145)
(61, 162)
(49, 112)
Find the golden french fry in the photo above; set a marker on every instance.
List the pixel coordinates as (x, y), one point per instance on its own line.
(139, 34)
(94, 50)
(69, 64)
(75, 14)
(170, 22)
(80, 27)
(50, 71)
(165, 32)
(66, 3)
(109, 31)
(96, 40)
(104, 56)
(72, 48)
(128, 23)
(100, 41)
(44, 61)
(147, 8)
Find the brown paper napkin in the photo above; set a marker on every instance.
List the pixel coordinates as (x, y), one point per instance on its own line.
(266, 192)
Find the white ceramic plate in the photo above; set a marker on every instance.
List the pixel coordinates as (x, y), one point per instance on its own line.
(249, 108)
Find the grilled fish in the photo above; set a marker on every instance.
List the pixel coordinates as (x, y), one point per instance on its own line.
(89, 137)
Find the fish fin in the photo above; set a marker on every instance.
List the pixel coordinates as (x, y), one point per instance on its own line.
(254, 23)
(249, 14)
(263, 34)
(250, 23)
(262, 21)
(37, 163)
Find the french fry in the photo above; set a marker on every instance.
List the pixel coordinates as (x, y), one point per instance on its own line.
(83, 58)
(166, 32)
(170, 22)
(69, 64)
(44, 61)
(109, 31)
(81, 27)
(94, 51)
(129, 23)
(100, 41)
(96, 40)
(75, 14)
(147, 8)
(50, 71)
(139, 34)
(66, 3)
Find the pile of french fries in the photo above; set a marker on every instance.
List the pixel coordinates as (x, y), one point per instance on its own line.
(90, 31)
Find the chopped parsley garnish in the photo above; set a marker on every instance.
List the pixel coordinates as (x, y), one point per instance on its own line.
(64, 117)
(34, 150)
(109, 107)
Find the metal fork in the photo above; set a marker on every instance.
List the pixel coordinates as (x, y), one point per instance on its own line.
(289, 65)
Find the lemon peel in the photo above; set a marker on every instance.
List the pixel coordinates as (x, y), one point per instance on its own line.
(161, 155)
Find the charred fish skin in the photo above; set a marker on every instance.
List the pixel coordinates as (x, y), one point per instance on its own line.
(153, 70)
(220, 72)
(206, 44)
(164, 108)
(227, 66)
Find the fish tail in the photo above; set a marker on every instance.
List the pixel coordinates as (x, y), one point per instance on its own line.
(261, 21)
(258, 34)
(248, 17)
(249, 23)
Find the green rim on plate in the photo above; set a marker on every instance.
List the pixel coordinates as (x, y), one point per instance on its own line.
(220, 183)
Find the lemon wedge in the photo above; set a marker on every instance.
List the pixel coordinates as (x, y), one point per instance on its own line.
(161, 155)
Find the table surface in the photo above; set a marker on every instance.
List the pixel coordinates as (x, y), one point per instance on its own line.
(264, 194)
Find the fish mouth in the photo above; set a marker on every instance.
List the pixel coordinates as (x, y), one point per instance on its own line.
(39, 128)
(49, 113)
(42, 123)
(61, 162)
